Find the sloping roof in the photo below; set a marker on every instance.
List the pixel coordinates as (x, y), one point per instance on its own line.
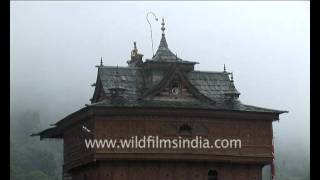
(213, 85)
(52, 132)
(129, 79)
(236, 106)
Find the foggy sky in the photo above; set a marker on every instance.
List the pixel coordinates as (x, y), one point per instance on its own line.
(56, 45)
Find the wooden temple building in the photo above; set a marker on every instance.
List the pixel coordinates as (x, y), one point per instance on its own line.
(165, 96)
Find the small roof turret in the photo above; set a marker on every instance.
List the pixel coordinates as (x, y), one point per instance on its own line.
(163, 53)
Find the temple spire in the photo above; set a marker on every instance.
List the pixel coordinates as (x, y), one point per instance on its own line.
(163, 53)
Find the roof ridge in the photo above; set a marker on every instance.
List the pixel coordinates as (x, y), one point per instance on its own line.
(122, 67)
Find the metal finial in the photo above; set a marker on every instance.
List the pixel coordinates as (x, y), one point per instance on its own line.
(224, 68)
(155, 17)
(134, 52)
(163, 28)
(134, 45)
(231, 77)
(101, 63)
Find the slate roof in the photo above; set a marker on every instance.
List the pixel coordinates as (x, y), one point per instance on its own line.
(129, 79)
(164, 54)
(213, 85)
(217, 88)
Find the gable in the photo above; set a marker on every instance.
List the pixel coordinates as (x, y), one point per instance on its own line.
(175, 90)
(175, 86)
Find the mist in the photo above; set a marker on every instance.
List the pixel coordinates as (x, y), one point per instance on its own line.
(55, 46)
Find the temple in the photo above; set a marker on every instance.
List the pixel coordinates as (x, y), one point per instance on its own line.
(165, 96)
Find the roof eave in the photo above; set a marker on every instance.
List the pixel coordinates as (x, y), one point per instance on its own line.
(50, 133)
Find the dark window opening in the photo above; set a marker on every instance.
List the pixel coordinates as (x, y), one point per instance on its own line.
(212, 175)
(185, 129)
(175, 85)
(175, 88)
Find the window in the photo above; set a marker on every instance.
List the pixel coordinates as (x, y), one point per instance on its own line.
(212, 175)
(175, 87)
